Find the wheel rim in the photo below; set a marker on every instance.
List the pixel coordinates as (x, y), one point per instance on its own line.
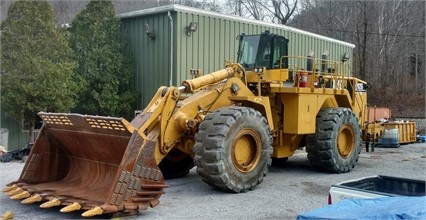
(346, 141)
(246, 149)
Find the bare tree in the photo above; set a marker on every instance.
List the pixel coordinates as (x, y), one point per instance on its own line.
(206, 5)
(361, 37)
(283, 10)
(255, 9)
(277, 11)
(234, 7)
(390, 45)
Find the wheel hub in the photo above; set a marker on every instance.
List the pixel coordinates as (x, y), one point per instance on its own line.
(246, 150)
(346, 141)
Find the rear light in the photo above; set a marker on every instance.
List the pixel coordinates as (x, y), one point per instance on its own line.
(329, 199)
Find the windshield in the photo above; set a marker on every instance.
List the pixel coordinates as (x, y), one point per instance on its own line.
(248, 51)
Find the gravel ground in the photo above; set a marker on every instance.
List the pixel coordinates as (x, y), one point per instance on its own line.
(285, 192)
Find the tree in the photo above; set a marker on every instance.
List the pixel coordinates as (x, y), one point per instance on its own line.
(205, 5)
(103, 72)
(283, 10)
(254, 8)
(36, 63)
(277, 11)
(390, 46)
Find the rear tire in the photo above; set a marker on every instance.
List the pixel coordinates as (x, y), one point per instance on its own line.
(233, 149)
(176, 164)
(337, 143)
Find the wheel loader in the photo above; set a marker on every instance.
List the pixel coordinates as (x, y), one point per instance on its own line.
(231, 124)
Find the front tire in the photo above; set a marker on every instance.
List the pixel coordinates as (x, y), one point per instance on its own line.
(337, 143)
(233, 149)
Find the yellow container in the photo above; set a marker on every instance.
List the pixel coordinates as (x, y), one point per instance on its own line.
(407, 131)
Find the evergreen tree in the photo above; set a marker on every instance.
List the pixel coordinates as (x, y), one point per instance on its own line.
(36, 63)
(103, 72)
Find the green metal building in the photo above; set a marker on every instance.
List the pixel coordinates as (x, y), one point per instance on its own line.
(164, 48)
(12, 135)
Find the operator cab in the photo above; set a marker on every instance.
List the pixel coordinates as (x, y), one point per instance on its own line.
(264, 50)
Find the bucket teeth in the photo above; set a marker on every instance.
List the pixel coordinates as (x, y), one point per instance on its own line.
(22, 195)
(7, 215)
(10, 188)
(14, 192)
(92, 212)
(32, 199)
(71, 207)
(51, 203)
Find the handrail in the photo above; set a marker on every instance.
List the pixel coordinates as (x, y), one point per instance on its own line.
(331, 71)
(326, 74)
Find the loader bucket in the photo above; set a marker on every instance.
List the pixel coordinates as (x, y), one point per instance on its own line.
(96, 164)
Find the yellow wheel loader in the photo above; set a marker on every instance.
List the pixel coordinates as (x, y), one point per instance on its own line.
(231, 124)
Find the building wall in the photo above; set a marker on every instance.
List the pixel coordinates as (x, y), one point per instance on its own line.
(151, 56)
(215, 41)
(207, 48)
(16, 137)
